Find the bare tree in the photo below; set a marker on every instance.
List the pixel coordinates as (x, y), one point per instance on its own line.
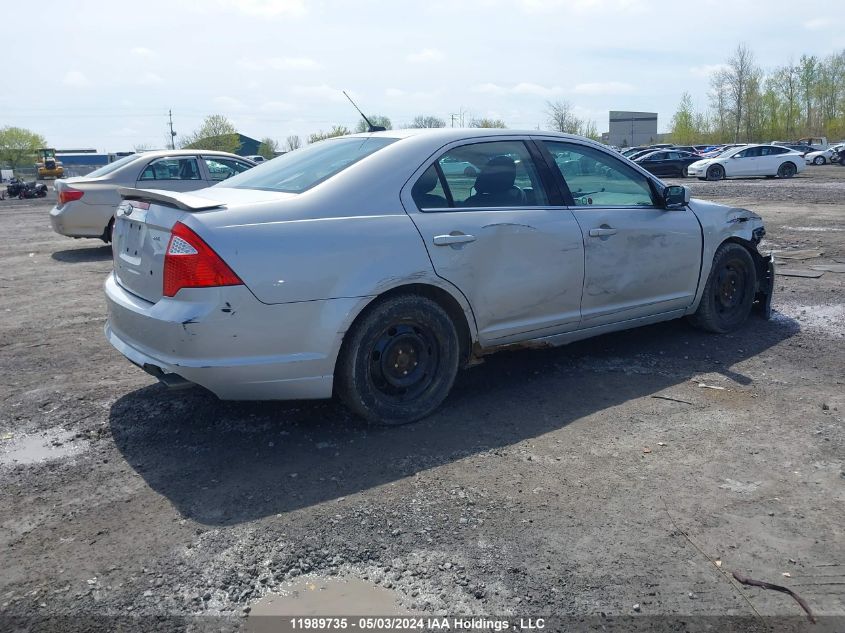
(561, 118)
(426, 121)
(484, 122)
(293, 142)
(738, 75)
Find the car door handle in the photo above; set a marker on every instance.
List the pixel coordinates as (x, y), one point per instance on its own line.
(448, 240)
(602, 232)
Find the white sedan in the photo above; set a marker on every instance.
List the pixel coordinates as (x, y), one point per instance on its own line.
(749, 160)
(824, 156)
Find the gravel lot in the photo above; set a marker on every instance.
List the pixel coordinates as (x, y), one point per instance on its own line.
(574, 482)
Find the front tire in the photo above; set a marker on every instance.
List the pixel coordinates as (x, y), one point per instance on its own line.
(398, 361)
(715, 172)
(729, 291)
(819, 160)
(787, 170)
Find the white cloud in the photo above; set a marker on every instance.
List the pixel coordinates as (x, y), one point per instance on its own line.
(281, 63)
(76, 79)
(141, 51)
(604, 88)
(276, 106)
(265, 8)
(535, 89)
(229, 103)
(586, 6)
(705, 70)
(426, 55)
(149, 79)
(319, 92)
(524, 88)
(817, 24)
(395, 92)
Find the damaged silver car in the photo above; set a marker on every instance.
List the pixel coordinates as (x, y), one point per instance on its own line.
(367, 268)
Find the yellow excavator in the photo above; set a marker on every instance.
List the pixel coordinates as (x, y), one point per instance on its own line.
(48, 166)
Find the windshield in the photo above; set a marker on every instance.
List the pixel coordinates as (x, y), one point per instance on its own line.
(107, 169)
(304, 168)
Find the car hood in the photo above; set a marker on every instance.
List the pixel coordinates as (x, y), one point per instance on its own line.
(703, 162)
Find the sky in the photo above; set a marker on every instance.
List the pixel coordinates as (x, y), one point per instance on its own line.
(105, 74)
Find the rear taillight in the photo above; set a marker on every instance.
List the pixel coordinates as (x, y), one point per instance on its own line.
(69, 195)
(191, 263)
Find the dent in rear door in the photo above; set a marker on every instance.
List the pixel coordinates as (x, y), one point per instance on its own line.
(520, 267)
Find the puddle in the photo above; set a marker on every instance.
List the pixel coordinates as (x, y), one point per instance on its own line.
(320, 596)
(39, 447)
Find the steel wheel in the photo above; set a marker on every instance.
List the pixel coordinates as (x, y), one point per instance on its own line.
(729, 291)
(399, 360)
(404, 359)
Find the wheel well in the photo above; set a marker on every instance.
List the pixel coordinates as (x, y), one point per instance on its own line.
(441, 298)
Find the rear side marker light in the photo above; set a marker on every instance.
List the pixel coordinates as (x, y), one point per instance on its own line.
(191, 263)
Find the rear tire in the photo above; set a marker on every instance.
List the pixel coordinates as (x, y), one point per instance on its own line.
(715, 172)
(729, 291)
(787, 170)
(684, 172)
(107, 233)
(398, 361)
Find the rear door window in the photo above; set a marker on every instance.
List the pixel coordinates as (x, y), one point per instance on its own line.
(174, 168)
(496, 174)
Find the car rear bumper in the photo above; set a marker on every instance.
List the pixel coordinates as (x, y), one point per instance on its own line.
(227, 341)
(77, 219)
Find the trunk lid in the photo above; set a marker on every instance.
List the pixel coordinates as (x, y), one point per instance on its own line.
(142, 226)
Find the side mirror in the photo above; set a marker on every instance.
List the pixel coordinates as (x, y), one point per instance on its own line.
(675, 196)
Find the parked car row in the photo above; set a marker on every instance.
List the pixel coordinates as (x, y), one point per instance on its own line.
(825, 156)
(86, 204)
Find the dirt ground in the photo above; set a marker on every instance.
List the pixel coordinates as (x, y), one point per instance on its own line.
(619, 480)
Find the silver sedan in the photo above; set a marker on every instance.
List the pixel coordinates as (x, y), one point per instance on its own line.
(85, 204)
(359, 267)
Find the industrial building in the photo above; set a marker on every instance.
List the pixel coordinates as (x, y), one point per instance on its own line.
(627, 129)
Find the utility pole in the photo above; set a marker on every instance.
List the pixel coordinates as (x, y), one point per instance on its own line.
(172, 133)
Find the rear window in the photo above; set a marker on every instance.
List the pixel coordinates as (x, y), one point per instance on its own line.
(305, 168)
(107, 169)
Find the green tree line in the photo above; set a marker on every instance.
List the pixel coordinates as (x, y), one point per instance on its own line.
(747, 104)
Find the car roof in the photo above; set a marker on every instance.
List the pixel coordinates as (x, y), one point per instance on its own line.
(185, 152)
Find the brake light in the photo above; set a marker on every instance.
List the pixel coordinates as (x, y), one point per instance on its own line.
(69, 195)
(191, 263)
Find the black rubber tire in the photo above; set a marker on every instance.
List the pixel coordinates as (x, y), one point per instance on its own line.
(715, 172)
(470, 172)
(733, 267)
(107, 232)
(787, 170)
(819, 160)
(360, 366)
(684, 173)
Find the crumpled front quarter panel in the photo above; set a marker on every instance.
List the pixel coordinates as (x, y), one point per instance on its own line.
(718, 223)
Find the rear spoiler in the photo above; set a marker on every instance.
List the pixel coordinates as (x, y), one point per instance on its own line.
(184, 201)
